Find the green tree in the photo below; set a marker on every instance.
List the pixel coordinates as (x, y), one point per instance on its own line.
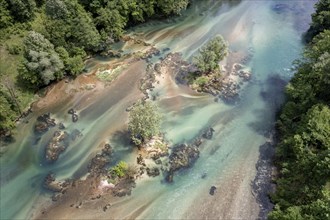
(22, 10)
(56, 9)
(69, 26)
(168, 7)
(211, 54)
(110, 23)
(72, 65)
(144, 122)
(7, 114)
(41, 63)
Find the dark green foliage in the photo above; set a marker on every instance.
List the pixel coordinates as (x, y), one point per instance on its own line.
(303, 153)
(7, 112)
(72, 65)
(211, 54)
(5, 18)
(69, 25)
(22, 10)
(168, 7)
(144, 122)
(40, 3)
(320, 19)
(110, 22)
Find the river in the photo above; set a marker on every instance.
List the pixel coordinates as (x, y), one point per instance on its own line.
(268, 32)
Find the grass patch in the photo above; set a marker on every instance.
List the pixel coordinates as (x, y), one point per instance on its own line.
(110, 75)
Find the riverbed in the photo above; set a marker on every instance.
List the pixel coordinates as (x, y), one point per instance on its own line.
(265, 36)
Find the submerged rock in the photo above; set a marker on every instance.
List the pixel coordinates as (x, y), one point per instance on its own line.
(74, 117)
(75, 134)
(153, 172)
(51, 184)
(61, 126)
(97, 165)
(208, 134)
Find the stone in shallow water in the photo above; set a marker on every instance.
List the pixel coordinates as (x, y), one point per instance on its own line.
(212, 190)
(71, 111)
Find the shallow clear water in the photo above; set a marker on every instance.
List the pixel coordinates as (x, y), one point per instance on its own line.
(271, 37)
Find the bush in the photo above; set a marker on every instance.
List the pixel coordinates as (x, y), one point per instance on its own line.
(119, 170)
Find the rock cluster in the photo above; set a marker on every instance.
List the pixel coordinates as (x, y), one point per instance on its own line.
(58, 143)
(153, 172)
(229, 90)
(182, 156)
(146, 83)
(58, 187)
(44, 122)
(124, 187)
(73, 114)
(185, 155)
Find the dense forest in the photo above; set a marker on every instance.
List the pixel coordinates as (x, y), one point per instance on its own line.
(303, 153)
(42, 41)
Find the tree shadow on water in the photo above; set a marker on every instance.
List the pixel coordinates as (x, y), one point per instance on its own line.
(272, 93)
(122, 140)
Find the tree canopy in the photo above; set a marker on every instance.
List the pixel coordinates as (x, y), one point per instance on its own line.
(320, 19)
(303, 153)
(41, 63)
(209, 56)
(144, 122)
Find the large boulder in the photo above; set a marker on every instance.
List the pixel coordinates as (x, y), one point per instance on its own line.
(182, 156)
